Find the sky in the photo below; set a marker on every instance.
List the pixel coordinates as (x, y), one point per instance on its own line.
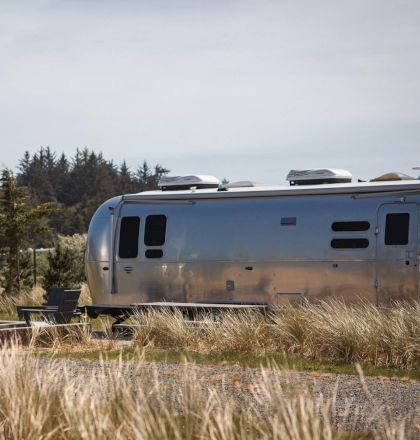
(245, 90)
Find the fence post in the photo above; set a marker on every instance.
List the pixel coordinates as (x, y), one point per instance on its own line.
(34, 255)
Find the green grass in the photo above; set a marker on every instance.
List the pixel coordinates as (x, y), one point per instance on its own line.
(235, 358)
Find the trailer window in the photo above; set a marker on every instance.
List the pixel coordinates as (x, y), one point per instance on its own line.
(154, 253)
(350, 226)
(349, 243)
(396, 229)
(129, 237)
(288, 221)
(155, 230)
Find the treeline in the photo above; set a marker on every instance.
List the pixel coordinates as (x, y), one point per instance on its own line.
(79, 184)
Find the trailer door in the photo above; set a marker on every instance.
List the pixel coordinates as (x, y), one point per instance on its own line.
(396, 252)
(126, 257)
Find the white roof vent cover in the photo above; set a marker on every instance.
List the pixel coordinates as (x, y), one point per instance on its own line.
(318, 176)
(168, 183)
(243, 184)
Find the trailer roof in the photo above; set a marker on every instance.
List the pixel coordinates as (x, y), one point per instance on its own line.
(279, 190)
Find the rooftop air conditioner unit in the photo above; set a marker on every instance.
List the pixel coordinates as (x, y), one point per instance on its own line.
(177, 183)
(318, 176)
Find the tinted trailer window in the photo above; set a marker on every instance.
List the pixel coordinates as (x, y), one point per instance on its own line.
(129, 237)
(155, 230)
(396, 229)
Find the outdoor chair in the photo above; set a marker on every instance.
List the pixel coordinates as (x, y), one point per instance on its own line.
(60, 307)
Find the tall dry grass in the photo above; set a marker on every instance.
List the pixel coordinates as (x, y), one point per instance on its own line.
(333, 331)
(329, 330)
(8, 303)
(42, 398)
(359, 332)
(33, 297)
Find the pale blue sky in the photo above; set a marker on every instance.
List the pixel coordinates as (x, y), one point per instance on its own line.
(238, 89)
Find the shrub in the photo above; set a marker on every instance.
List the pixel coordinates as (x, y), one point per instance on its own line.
(65, 263)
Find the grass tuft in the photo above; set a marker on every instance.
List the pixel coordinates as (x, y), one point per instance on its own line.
(328, 331)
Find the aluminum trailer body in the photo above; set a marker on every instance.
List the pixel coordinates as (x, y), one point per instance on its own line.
(257, 245)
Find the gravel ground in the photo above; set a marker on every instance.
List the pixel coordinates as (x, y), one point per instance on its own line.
(357, 406)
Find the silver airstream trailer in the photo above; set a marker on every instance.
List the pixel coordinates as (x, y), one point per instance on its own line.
(197, 241)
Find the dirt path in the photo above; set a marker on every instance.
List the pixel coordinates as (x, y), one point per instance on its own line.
(362, 406)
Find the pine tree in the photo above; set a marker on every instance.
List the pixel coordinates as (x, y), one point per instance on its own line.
(20, 221)
(143, 176)
(60, 178)
(60, 272)
(24, 167)
(65, 263)
(80, 184)
(125, 180)
(153, 181)
(25, 271)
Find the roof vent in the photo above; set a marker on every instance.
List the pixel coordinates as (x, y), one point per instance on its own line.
(243, 184)
(177, 183)
(318, 176)
(389, 177)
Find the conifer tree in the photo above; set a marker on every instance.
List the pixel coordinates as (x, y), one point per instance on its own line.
(159, 171)
(20, 221)
(80, 183)
(60, 272)
(143, 176)
(25, 169)
(125, 180)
